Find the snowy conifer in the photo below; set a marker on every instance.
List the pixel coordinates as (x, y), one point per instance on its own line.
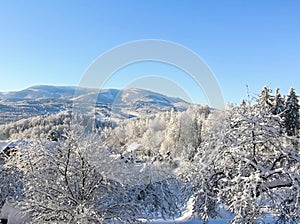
(278, 107)
(265, 99)
(292, 122)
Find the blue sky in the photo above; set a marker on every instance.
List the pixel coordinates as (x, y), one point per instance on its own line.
(244, 42)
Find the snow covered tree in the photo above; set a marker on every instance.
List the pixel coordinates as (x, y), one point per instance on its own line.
(191, 131)
(172, 135)
(10, 183)
(291, 115)
(251, 170)
(62, 186)
(265, 99)
(279, 106)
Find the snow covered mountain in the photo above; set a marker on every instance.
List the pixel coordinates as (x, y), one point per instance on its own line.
(39, 92)
(43, 99)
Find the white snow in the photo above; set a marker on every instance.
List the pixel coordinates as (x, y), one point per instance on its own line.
(188, 213)
(133, 147)
(13, 215)
(12, 144)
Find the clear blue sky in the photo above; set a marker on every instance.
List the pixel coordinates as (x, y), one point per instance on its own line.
(244, 42)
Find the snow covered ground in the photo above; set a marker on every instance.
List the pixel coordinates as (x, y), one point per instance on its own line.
(13, 215)
(217, 221)
(186, 217)
(193, 222)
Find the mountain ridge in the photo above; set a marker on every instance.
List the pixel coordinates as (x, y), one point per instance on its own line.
(124, 103)
(67, 92)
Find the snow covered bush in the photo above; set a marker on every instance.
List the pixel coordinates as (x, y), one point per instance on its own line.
(161, 199)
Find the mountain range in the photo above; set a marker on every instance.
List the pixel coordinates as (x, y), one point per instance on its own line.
(44, 99)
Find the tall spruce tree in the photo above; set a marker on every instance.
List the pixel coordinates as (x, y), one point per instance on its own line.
(278, 107)
(291, 115)
(265, 99)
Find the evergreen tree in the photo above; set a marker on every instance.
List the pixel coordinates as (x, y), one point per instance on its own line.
(292, 123)
(278, 107)
(265, 99)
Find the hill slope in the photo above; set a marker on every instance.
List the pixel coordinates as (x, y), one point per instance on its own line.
(43, 99)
